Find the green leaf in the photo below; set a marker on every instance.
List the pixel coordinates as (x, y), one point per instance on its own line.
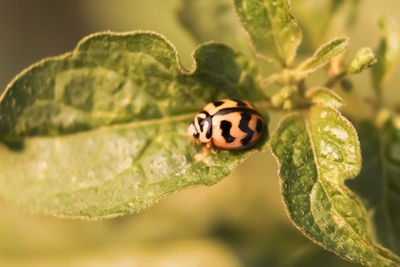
(102, 129)
(364, 59)
(378, 182)
(317, 151)
(321, 57)
(271, 28)
(213, 20)
(388, 52)
(325, 96)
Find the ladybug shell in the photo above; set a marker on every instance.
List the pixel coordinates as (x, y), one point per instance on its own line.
(237, 130)
(216, 106)
(235, 124)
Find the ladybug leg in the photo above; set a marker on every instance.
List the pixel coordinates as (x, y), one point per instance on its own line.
(202, 156)
(215, 150)
(207, 147)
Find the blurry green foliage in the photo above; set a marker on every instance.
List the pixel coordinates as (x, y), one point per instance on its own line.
(325, 19)
(377, 183)
(363, 60)
(213, 20)
(271, 28)
(388, 52)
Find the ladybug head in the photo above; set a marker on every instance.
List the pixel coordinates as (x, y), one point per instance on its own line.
(201, 128)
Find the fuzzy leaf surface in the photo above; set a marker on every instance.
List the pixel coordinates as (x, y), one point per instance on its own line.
(321, 57)
(271, 28)
(101, 131)
(317, 151)
(364, 59)
(325, 97)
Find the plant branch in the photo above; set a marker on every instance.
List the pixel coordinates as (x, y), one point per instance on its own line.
(334, 79)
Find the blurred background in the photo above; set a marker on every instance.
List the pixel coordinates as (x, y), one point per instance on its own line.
(239, 222)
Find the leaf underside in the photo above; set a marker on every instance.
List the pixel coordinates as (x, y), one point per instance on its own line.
(101, 131)
(317, 151)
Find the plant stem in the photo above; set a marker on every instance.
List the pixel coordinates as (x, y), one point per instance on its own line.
(333, 80)
(301, 87)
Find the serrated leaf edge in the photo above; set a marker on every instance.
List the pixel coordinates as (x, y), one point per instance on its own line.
(180, 66)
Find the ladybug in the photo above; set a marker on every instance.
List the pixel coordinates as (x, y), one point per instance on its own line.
(228, 124)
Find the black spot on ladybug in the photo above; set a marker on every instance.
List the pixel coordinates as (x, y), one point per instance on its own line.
(218, 103)
(259, 126)
(244, 126)
(226, 131)
(240, 103)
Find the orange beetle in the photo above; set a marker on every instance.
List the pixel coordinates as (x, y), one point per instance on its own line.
(228, 124)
